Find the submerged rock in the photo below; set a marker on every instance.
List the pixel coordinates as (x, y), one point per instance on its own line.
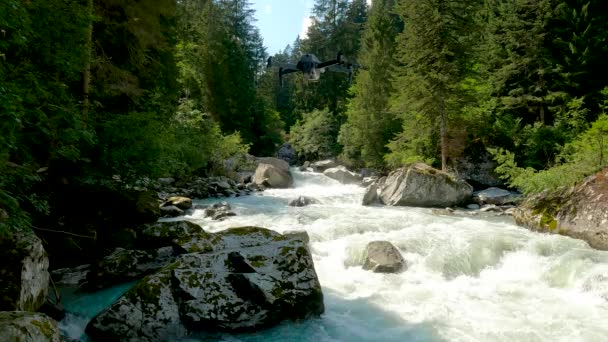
(383, 257)
(580, 212)
(250, 278)
(23, 272)
(342, 175)
(23, 326)
(219, 211)
(273, 173)
(302, 201)
(423, 186)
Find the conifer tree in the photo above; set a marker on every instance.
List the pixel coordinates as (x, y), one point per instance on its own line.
(370, 125)
(434, 53)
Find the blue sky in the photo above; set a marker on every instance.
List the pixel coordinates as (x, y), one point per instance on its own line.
(280, 21)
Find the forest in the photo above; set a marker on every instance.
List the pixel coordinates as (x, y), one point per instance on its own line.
(91, 89)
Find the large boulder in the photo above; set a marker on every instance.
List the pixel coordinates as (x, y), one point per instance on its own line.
(23, 326)
(342, 175)
(322, 165)
(273, 173)
(495, 196)
(246, 279)
(288, 154)
(580, 212)
(420, 185)
(24, 276)
(383, 257)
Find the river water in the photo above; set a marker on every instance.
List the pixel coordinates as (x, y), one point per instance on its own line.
(468, 278)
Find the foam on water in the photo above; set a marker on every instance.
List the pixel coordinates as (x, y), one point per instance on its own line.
(468, 279)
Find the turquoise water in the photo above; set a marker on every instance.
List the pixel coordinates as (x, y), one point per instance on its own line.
(468, 279)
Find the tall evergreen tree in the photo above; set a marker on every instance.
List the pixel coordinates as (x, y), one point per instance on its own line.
(435, 56)
(370, 125)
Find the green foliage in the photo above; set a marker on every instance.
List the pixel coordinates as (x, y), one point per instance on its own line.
(313, 137)
(435, 50)
(370, 125)
(583, 157)
(141, 144)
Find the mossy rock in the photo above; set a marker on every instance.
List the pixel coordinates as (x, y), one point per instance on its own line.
(244, 279)
(28, 326)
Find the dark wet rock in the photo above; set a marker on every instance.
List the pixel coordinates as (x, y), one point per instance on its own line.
(23, 272)
(288, 154)
(580, 212)
(23, 326)
(423, 186)
(166, 181)
(322, 165)
(162, 234)
(383, 257)
(342, 175)
(477, 169)
(302, 201)
(249, 278)
(70, 277)
(371, 195)
(171, 211)
(273, 173)
(124, 265)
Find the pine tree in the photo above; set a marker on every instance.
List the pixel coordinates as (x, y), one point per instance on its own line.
(370, 125)
(435, 56)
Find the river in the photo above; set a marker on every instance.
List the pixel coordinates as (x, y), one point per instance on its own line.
(468, 278)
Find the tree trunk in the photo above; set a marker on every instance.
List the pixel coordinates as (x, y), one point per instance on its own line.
(86, 75)
(444, 141)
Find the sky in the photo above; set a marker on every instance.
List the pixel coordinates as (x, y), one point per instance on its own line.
(281, 21)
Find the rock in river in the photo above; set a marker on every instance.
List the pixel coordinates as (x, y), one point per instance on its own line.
(273, 173)
(246, 279)
(383, 257)
(420, 185)
(580, 212)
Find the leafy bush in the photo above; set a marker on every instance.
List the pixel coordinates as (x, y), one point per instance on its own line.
(141, 144)
(583, 157)
(314, 137)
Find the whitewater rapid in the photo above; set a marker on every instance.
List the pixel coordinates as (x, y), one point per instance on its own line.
(468, 278)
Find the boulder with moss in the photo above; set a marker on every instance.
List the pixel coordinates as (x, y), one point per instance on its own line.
(420, 185)
(24, 275)
(580, 212)
(240, 279)
(28, 326)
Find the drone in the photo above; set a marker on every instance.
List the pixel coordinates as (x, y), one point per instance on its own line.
(312, 67)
